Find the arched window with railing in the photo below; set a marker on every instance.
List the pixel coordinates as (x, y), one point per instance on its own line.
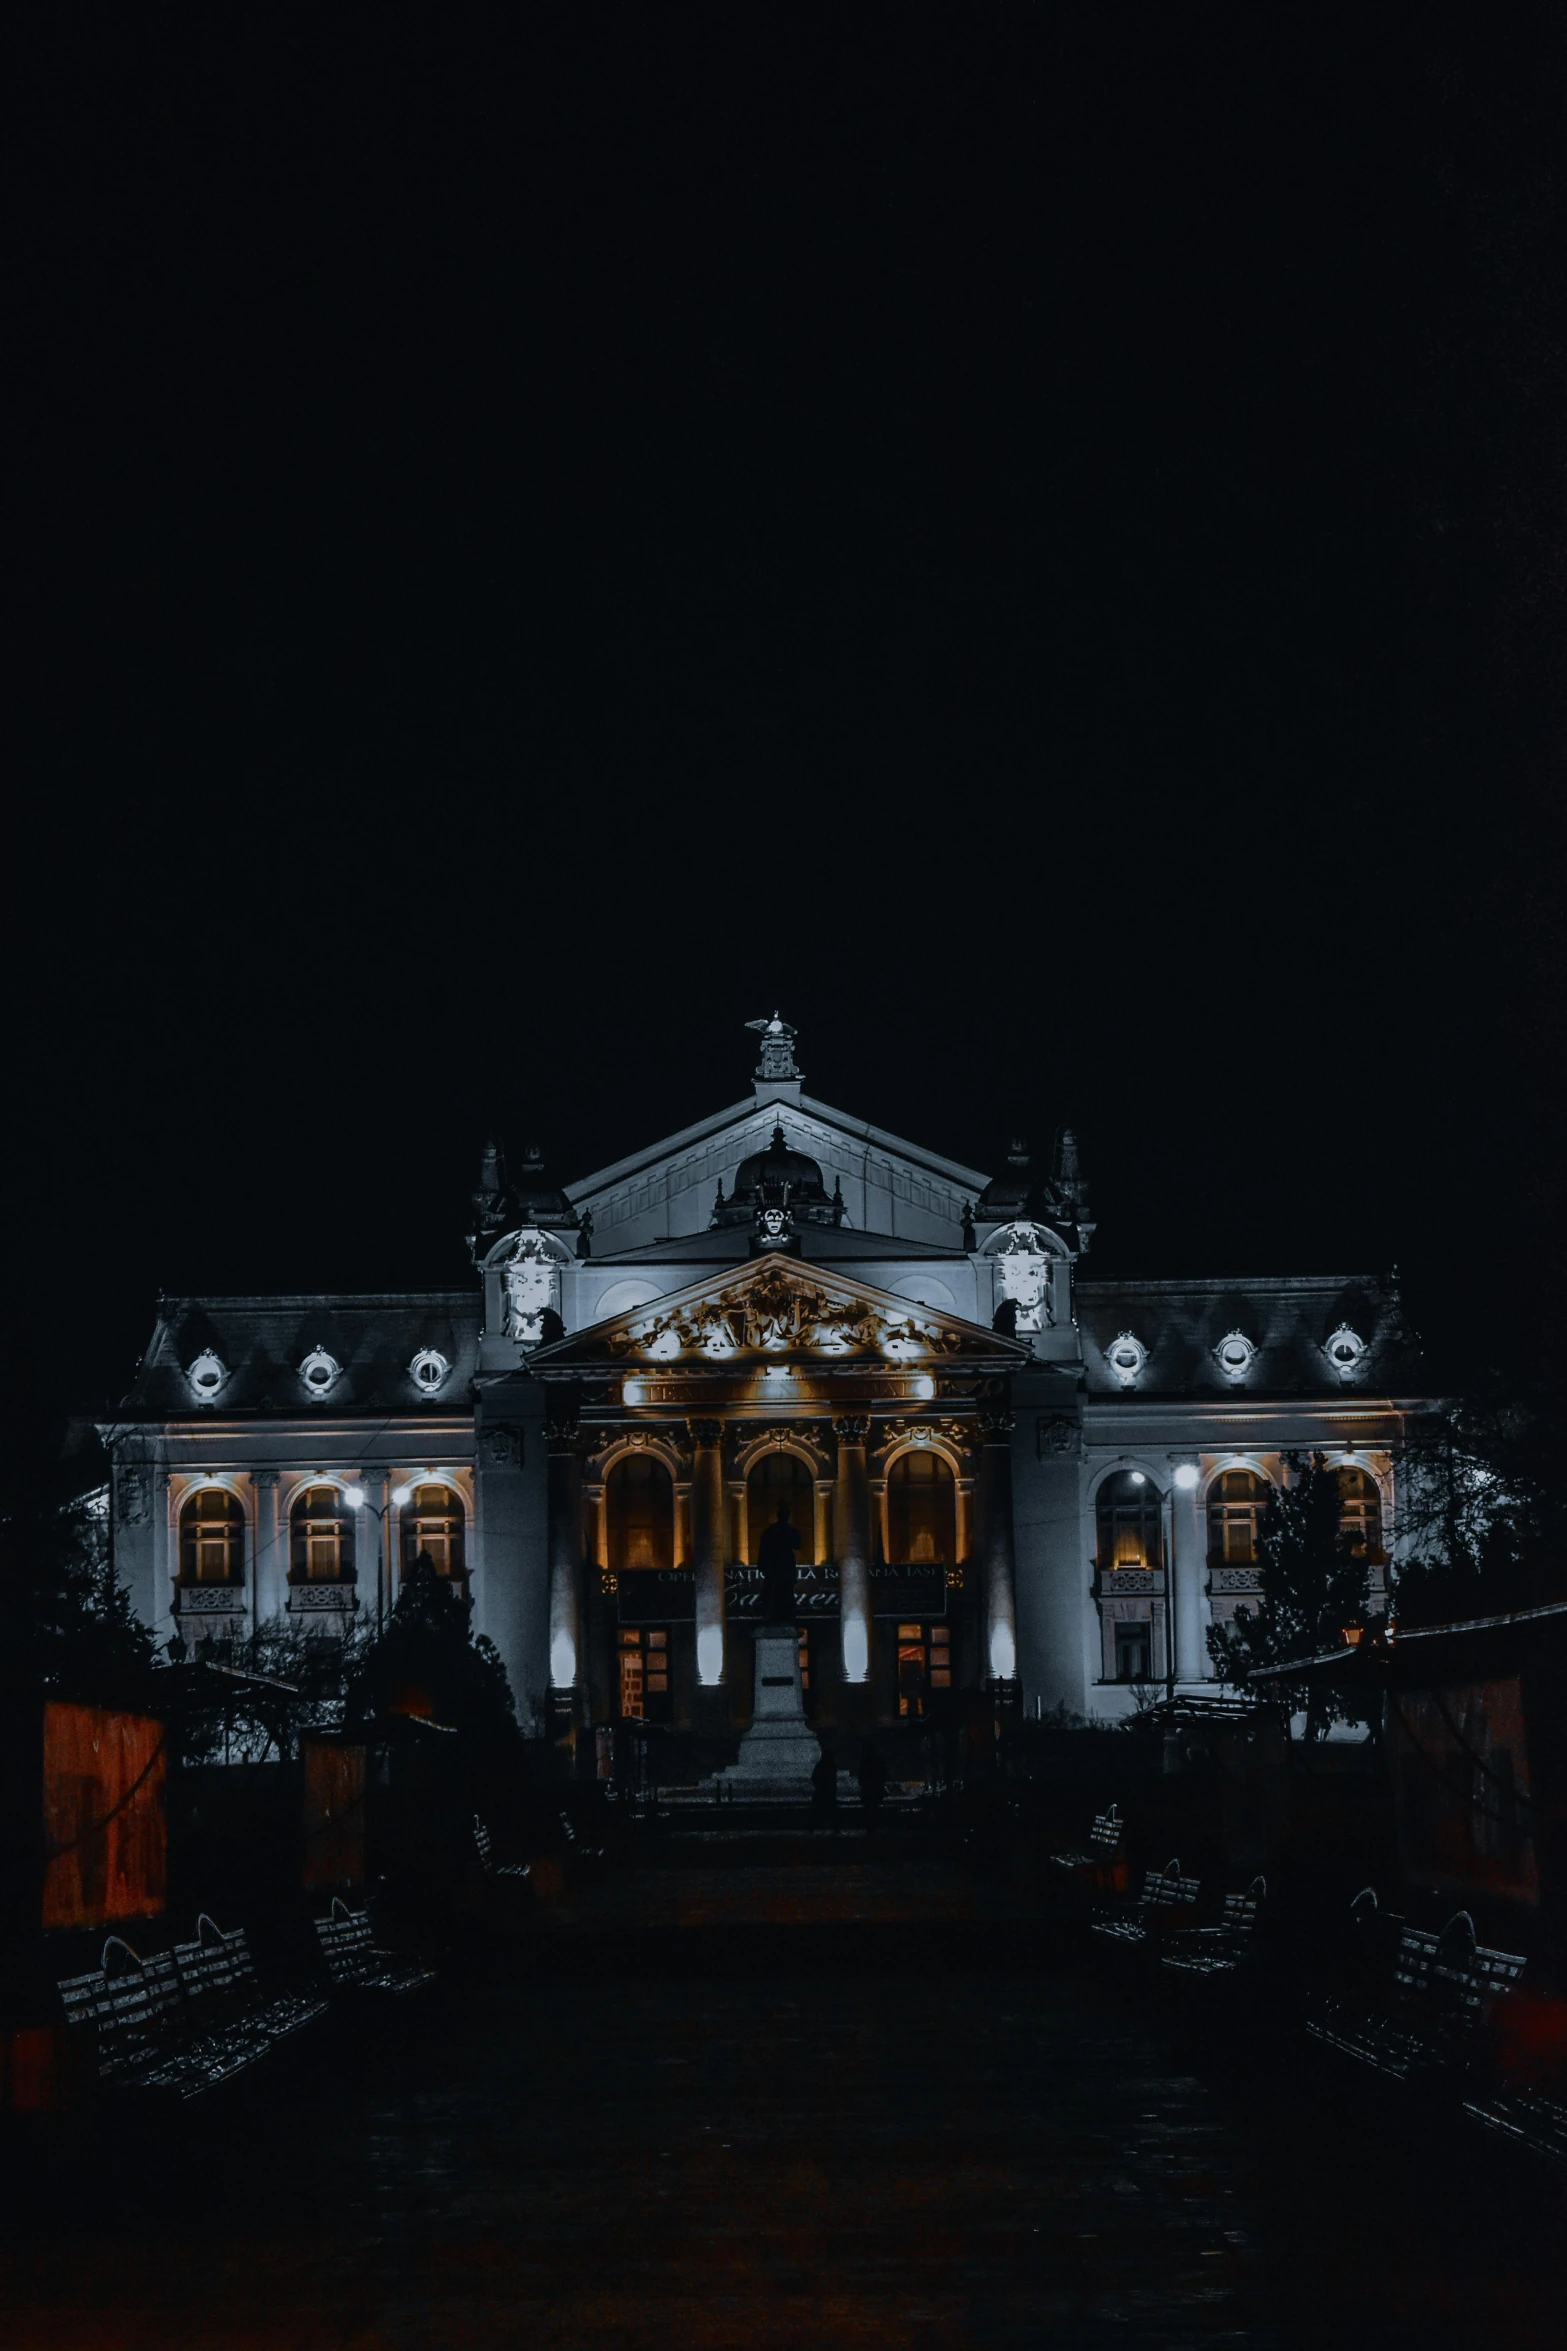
(781, 1481)
(1360, 1512)
(322, 1537)
(434, 1525)
(639, 1513)
(922, 1511)
(1129, 1521)
(212, 1537)
(1236, 1501)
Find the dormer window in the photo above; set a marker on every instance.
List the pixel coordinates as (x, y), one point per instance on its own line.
(1236, 1354)
(1126, 1356)
(428, 1370)
(207, 1375)
(320, 1372)
(1345, 1349)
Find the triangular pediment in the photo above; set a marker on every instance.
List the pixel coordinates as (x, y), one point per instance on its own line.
(782, 1311)
(888, 1184)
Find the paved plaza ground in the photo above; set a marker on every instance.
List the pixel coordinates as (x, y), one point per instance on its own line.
(856, 2102)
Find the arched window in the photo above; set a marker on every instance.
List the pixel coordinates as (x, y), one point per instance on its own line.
(1360, 1512)
(1236, 1501)
(1131, 1532)
(323, 1537)
(212, 1538)
(639, 1499)
(922, 1512)
(782, 1478)
(432, 1525)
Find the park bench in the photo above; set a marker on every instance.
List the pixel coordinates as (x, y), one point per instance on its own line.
(1527, 2117)
(1104, 1844)
(218, 1978)
(356, 1963)
(165, 2026)
(1164, 1892)
(576, 1848)
(1219, 1950)
(1432, 2009)
(516, 1870)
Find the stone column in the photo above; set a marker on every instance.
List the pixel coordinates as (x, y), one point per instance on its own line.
(998, 1573)
(851, 1530)
(707, 1546)
(269, 1569)
(1187, 1575)
(561, 1439)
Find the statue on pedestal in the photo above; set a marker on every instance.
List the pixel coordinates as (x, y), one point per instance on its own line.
(776, 1561)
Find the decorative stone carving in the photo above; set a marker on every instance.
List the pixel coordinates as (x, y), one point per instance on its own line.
(320, 1372)
(1023, 1264)
(532, 1286)
(995, 1425)
(207, 1376)
(562, 1437)
(778, 1312)
(319, 1599)
(1126, 1356)
(1059, 1436)
(503, 1447)
(211, 1600)
(1234, 1579)
(705, 1432)
(852, 1428)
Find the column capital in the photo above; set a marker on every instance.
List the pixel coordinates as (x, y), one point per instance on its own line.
(705, 1432)
(375, 1478)
(562, 1438)
(995, 1425)
(852, 1428)
(264, 1477)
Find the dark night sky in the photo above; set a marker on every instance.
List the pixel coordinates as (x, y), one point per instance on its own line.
(1030, 539)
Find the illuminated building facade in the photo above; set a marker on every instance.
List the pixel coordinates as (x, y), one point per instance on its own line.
(997, 1472)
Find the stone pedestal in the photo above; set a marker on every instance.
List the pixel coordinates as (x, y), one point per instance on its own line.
(780, 1750)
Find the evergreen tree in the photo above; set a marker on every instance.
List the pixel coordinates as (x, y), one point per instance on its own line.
(429, 1662)
(1313, 1585)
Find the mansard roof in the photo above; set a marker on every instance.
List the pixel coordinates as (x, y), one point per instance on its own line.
(778, 1310)
(261, 1344)
(1288, 1320)
(820, 1244)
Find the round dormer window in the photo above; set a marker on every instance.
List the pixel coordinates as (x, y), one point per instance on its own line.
(1126, 1356)
(428, 1369)
(1236, 1355)
(207, 1375)
(1345, 1349)
(320, 1371)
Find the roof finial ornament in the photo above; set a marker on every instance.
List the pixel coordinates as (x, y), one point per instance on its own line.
(777, 1065)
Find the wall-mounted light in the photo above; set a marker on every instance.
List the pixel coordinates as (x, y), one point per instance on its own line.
(1137, 1477)
(402, 1496)
(354, 1496)
(1186, 1476)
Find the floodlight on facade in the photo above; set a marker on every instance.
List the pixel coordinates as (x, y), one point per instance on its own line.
(1186, 1476)
(354, 1496)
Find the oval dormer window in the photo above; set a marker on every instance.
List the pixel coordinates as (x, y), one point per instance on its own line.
(207, 1375)
(428, 1370)
(1345, 1348)
(1126, 1355)
(1236, 1355)
(320, 1372)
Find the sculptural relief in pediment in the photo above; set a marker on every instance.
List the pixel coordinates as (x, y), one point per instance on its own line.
(778, 1314)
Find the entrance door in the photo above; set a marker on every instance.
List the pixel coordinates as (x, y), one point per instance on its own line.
(924, 1664)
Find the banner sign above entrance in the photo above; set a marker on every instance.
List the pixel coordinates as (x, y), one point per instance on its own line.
(667, 1595)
